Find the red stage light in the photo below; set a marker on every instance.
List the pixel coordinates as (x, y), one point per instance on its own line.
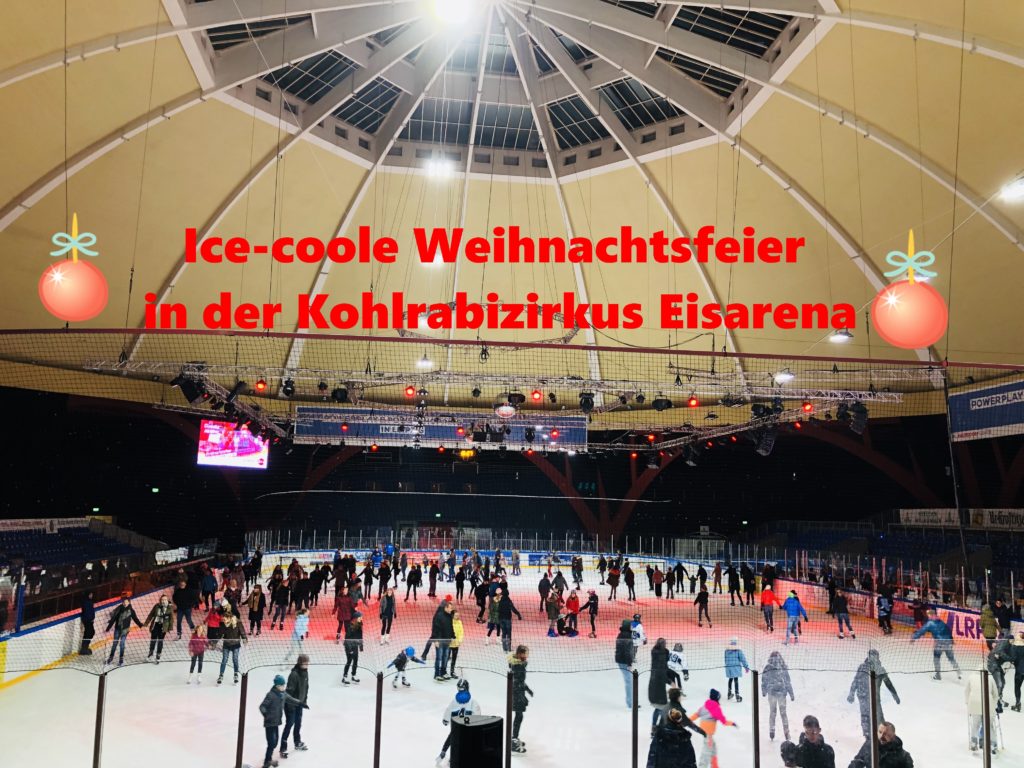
(344, 426)
(554, 434)
(537, 395)
(693, 402)
(798, 425)
(460, 431)
(410, 391)
(807, 407)
(709, 444)
(373, 448)
(632, 455)
(732, 438)
(261, 385)
(529, 451)
(440, 449)
(651, 438)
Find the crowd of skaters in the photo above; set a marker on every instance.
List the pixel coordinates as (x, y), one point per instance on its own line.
(296, 589)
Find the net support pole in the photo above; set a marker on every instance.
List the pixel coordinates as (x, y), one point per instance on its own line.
(986, 722)
(377, 715)
(508, 719)
(755, 711)
(240, 743)
(873, 711)
(635, 745)
(101, 701)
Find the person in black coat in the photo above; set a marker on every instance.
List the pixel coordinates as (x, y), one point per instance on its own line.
(121, 619)
(297, 690)
(517, 666)
(544, 587)
(480, 593)
(701, 601)
(624, 650)
(272, 708)
(353, 645)
(659, 680)
(733, 580)
(591, 607)
(442, 632)
(505, 610)
(671, 745)
(813, 752)
(88, 618)
(891, 753)
(629, 579)
(183, 599)
(747, 576)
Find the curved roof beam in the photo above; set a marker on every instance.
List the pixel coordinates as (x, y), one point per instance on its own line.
(758, 71)
(923, 30)
(529, 75)
(556, 52)
(419, 33)
(430, 63)
(693, 99)
(216, 13)
(253, 59)
(331, 19)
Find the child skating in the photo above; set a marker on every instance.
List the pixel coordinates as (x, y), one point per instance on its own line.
(400, 662)
(678, 669)
(462, 705)
(735, 665)
(197, 645)
(272, 709)
(708, 717)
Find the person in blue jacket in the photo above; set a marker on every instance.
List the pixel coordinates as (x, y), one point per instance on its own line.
(735, 665)
(794, 610)
(939, 630)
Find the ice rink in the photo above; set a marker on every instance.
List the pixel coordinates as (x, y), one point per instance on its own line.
(578, 715)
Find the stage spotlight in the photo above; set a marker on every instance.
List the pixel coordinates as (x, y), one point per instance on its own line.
(661, 403)
(288, 387)
(504, 409)
(859, 418)
(238, 389)
(765, 442)
(552, 398)
(777, 405)
(440, 449)
(215, 404)
(410, 391)
(807, 406)
(622, 399)
(841, 336)
(679, 380)
(460, 430)
(537, 395)
(633, 455)
(732, 438)
(516, 398)
(476, 391)
(783, 376)
(798, 425)
(690, 454)
(261, 385)
(193, 391)
(586, 402)
(529, 451)
(529, 434)
(373, 448)
(554, 434)
(344, 426)
(693, 402)
(843, 412)
(422, 392)
(339, 395)
(651, 437)
(652, 462)
(709, 444)
(640, 398)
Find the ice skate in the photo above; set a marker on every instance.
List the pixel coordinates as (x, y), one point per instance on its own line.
(518, 746)
(407, 684)
(974, 745)
(270, 764)
(344, 680)
(220, 680)
(284, 753)
(189, 680)
(301, 746)
(199, 679)
(936, 676)
(739, 699)
(730, 695)
(236, 678)
(771, 734)
(394, 683)
(355, 679)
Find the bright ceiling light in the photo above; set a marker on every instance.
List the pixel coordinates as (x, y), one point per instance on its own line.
(841, 336)
(425, 363)
(452, 12)
(1013, 191)
(439, 169)
(784, 375)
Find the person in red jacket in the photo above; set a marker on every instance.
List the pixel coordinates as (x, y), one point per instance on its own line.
(344, 607)
(768, 603)
(572, 610)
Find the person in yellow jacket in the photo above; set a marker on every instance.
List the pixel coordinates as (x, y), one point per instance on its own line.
(453, 647)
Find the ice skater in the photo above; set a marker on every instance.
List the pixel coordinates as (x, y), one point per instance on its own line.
(769, 602)
(387, 611)
(701, 601)
(841, 608)
(671, 745)
(884, 606)
(353, 645)
(159, 621)
(861, 688)
(708, 717)
(232, 637)
(299, 633)
(517, 665)
(257, 603)
(794, 610)
(121, 619)
(735, 665)
(975, 715)
(462, 705)
(591, 607)
(940, 631)
(197, 645)
(297, 689)
(272, 709)
(776, 686)
(400, 662)
(658, 681)
(624, 656)
(678, 669)
(639, 635)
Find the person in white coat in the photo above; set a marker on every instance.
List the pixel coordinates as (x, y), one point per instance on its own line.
(462, 705)
(975, 713)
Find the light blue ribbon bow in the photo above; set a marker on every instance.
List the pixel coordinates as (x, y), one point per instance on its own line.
(66, 242)
(905, 263)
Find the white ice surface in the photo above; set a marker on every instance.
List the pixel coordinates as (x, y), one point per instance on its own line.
(154, 719)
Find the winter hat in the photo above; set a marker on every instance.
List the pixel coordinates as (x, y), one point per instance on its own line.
(788, 752)
(357, 615)
(714, 695)
(625, 624)
(463, 684)
(462, 697)
(410, 651)
(448, 598)
(636, 617)
(303, 659)
(279, 680)
(677, 647)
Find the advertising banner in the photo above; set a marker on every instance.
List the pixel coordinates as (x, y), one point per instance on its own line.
(1000, 519)
(987, 412)
(929, 518)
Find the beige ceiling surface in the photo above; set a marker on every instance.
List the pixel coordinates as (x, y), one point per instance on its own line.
(139, 197)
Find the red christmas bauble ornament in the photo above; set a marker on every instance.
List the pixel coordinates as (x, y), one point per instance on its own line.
(910, 314)
(73, 290)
